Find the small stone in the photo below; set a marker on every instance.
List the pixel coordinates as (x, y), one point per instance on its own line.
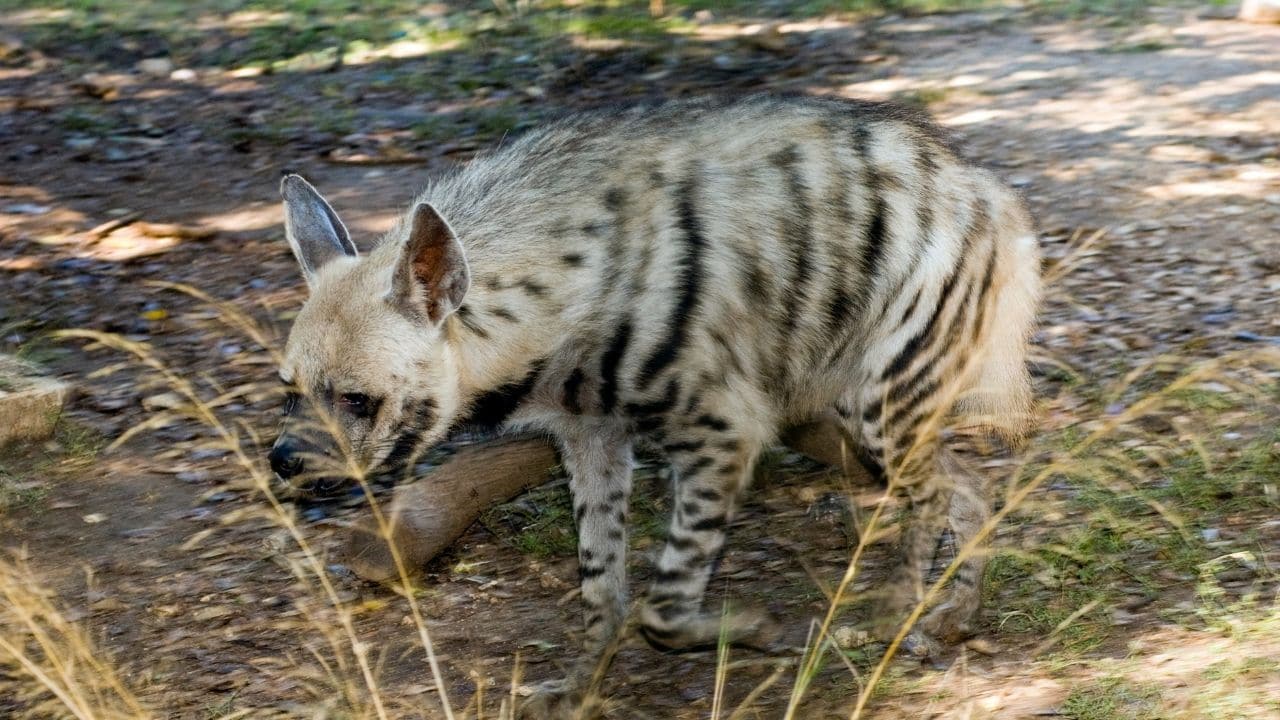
(155, 67)
(27, 209)
(94, 518)
(183, 75)
(80, 142)
(212, 613)
(109, 604)
(848, 637)
(1210, 534)
(115, 154)
(164, 401)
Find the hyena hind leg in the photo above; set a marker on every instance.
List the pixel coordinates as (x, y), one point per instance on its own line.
(949, 504)
(712, 468)
(914, 470)
(953, 619)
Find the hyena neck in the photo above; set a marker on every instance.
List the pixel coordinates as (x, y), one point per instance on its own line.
(527, 288)
(509, 323)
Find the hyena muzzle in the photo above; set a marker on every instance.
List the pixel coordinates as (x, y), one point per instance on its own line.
(693, 276)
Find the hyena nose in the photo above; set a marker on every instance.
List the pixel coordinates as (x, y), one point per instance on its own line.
(285, 461)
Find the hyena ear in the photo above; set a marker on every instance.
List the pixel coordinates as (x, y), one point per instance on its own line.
(431, 277)
(312, 227)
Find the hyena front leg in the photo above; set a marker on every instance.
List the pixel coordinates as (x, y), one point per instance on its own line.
(598, 458)
(712, 467)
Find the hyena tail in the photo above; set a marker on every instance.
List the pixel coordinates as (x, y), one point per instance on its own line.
(998, 399)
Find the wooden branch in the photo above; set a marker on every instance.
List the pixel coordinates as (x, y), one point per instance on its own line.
(428, 515)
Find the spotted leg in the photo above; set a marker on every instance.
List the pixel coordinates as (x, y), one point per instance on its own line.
(712, 466)
(597, 455)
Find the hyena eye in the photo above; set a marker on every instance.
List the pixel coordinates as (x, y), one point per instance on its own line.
(291, 400)
(357, 404)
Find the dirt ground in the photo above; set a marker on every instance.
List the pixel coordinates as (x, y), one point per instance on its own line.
(1163, 130)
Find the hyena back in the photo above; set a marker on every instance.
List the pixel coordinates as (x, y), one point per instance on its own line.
(695, 276)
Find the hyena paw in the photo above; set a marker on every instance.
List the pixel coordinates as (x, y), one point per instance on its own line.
(951, 622)
(564, 699)
(749, 627)
(921, 645)
(941, 627)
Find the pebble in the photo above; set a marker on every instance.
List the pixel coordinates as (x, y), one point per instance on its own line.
(1210, 534)
(156, 67)
(341, 571)
(848, 637)
(1247, 336)
(115, 154)
(27, 209)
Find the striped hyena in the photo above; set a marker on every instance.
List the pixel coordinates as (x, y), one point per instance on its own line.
(695, 276)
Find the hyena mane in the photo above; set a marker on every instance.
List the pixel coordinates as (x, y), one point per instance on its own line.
(693, 276)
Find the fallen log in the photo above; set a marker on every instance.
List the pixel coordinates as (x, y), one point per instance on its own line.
(425, 517)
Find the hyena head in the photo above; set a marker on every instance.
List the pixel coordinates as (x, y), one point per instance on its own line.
(370, 375)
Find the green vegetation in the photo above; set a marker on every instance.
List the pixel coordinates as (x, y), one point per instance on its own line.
(540, 522)
(24, 474)
(288, 35)
(1240, 689)
(1113, 699)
